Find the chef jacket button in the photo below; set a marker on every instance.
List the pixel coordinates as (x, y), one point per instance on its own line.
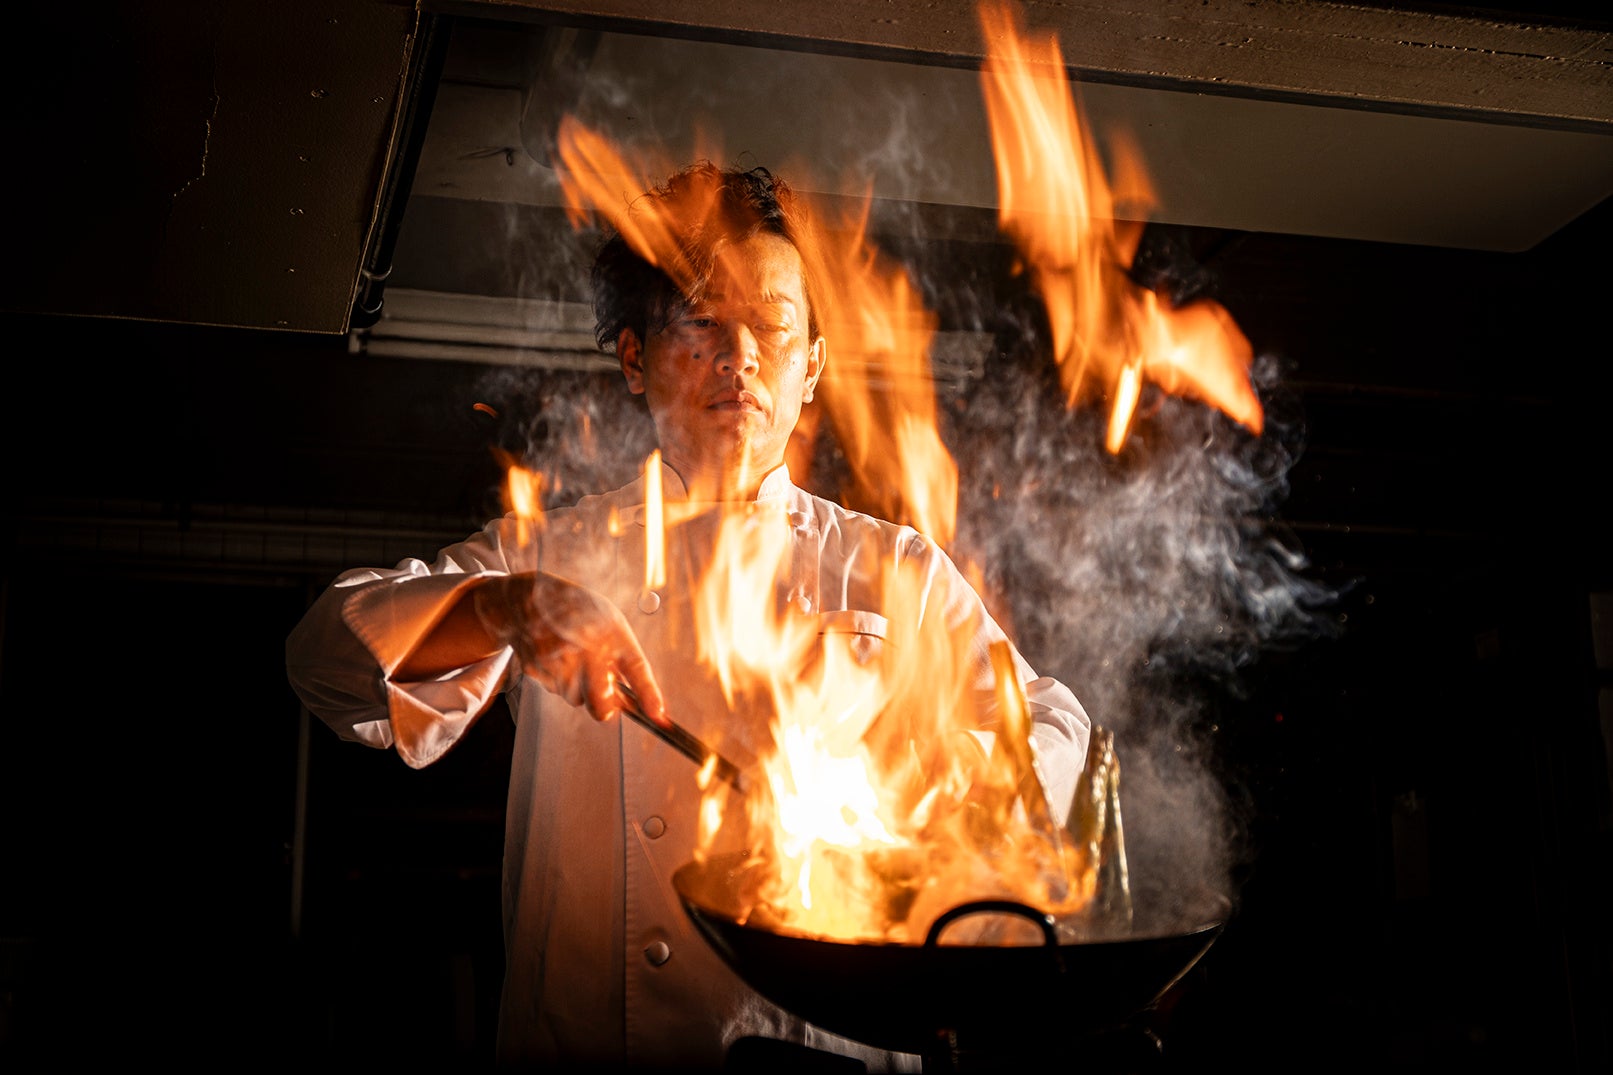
(657, 952)
(648, 602)
(654, 827)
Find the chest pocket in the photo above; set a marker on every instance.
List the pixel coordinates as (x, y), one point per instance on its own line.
(863, 634)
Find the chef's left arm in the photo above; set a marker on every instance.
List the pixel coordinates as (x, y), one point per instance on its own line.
(1060, 728)
(1060, 734)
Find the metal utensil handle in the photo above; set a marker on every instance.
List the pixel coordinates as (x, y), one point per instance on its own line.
(1041, 918)
(681, 740)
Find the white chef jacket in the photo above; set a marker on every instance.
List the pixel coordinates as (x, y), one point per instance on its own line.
(602, 964)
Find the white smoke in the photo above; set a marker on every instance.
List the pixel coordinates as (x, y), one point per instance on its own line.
(1148, 581)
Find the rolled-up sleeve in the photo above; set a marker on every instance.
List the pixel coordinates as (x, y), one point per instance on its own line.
(341, 656)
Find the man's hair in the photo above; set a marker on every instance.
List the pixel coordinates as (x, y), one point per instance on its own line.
(706, 207)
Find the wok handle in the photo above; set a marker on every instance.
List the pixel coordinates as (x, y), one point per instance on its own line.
(963, 910)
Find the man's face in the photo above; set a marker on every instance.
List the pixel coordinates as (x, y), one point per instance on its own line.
(725, 379)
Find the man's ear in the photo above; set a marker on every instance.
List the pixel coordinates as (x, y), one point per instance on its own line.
(630, 353)
(817, 358)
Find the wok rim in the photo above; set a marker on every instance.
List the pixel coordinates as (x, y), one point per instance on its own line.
(1200, 927)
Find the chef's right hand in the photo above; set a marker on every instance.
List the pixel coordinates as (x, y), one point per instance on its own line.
(572, 641)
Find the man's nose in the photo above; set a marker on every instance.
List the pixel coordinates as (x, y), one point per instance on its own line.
(737, 350)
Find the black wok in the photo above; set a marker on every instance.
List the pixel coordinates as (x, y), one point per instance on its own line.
(918, 998)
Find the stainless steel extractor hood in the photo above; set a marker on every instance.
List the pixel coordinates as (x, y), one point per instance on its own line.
(253, 164)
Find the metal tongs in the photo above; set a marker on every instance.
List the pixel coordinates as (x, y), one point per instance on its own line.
(682, 740)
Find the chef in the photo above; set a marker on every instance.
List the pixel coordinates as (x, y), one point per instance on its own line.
(602, 966)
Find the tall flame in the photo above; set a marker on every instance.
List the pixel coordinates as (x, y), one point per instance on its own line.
(654, 525)
(881, 804)
(881, 808)
(883, 801)
(595, 179)
(1108, 333)
(878, 388)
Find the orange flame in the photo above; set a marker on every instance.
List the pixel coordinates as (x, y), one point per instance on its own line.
(1108, 333)
(523, 496)
(883, 803)
(595, 179)
(878, 388)
(654, 525)
(881, 807)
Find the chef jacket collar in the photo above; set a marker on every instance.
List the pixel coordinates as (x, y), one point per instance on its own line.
(775, 486)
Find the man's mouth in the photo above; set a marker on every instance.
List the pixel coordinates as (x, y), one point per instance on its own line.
(735, 401)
